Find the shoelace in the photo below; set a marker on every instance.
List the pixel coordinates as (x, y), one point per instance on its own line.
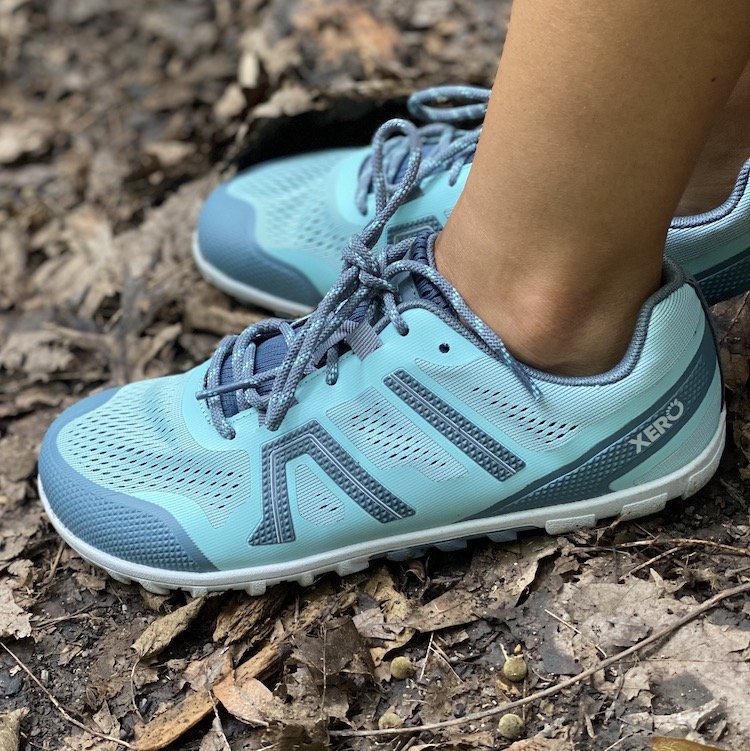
(367, 284)
(452, 147)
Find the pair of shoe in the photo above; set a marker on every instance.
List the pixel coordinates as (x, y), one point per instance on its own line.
(390, 418)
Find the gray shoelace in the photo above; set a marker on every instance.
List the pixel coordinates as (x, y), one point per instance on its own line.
(449, 148)
(365, 293)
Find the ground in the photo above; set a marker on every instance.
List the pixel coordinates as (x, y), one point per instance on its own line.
(116, 118)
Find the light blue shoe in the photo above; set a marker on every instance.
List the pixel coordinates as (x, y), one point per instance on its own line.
(388, 420)
(273, 235)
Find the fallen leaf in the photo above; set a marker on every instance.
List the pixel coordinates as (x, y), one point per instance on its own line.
(14, 621)
(453, 608)
(248, 700)
(394, 610)
(202, 674)
(18, 139)
(689, 721)
(540, 744)
(497, 578)
(214, 739)
(106, 723)
(660, 743)
(167, 727)
(10, 729)
(162, 631)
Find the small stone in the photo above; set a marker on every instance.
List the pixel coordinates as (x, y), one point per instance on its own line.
(401, 668)
(511, 727)
(390, 720)
(515, 669)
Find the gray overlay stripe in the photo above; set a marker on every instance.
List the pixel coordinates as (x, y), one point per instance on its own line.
(480, 447)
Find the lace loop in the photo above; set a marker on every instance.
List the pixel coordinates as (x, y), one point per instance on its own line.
(367, 290)
(450, 148)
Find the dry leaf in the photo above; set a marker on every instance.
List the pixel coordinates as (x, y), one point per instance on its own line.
(10, 728)
(106, 723)
(248, 700)
(167, 727)
(162, 631)
(14, 621)
(214, 739)
(32, 136)
(540, 744)
(395, 609)
(453, 608)
(202, 674)
(659, 743)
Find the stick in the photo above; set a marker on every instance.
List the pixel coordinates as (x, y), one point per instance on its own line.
(552, 690)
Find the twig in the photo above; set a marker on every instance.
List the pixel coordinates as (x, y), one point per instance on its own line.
(677, 541)
(55, 563)
(573, 628)
(552, 690)
(426, 656)
(59, 707)
(655, 558)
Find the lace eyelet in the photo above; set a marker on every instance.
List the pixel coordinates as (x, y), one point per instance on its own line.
(405, 333)
(444, 347)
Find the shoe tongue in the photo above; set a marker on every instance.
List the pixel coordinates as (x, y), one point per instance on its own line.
(270, 353)
(427, 149)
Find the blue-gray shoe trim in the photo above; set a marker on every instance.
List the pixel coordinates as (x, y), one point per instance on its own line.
(226, 240)
(118, 524)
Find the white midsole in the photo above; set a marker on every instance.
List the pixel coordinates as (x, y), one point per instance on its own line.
(244, 292)
(629, 503)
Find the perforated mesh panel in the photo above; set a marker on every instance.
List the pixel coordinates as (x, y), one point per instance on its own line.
(139, 443)
(291, 200)
(315, 501)
(482, 387)
(388, 438)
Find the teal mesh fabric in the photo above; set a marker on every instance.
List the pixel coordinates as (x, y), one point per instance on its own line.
(315, 502)
(389, 439)
(291, 198)
(139, 444)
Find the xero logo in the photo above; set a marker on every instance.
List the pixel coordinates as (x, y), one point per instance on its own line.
(656, 429)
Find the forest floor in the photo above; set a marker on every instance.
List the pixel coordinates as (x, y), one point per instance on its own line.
(116, 119)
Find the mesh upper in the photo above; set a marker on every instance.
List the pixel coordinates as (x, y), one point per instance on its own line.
(315, 502)
(290, 197)
(388, 438)
(139, 444)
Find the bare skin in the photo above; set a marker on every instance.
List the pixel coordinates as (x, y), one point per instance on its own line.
(727, 149)
(597, 118)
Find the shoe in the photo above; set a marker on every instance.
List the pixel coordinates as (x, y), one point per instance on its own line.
(273, 235)
(388, 420)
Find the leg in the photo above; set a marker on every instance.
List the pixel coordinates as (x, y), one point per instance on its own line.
(598, 114)
(727, 149)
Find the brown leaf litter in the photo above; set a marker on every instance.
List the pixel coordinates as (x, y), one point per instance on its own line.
(118, 118)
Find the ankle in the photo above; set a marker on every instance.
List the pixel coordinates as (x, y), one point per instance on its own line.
(572, 325)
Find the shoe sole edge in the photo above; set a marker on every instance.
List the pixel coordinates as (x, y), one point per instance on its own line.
(244, 292)
(630, 503)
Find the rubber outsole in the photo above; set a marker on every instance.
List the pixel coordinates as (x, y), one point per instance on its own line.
(630, 503)
(244, 292)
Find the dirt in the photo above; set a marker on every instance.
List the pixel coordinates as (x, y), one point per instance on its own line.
(116, 119)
